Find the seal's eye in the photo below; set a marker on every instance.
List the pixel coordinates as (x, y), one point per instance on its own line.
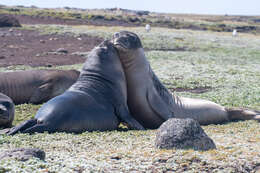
(116, 34)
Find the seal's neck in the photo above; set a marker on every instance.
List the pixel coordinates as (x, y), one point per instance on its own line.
(135, 61)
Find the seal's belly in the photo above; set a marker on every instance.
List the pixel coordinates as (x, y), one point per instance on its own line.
(204, 111)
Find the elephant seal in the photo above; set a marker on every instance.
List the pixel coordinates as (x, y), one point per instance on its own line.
(97, 101)
(37, 86)
(151, 103)
(6, 111)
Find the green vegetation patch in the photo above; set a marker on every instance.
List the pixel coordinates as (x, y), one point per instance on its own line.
(247, 24)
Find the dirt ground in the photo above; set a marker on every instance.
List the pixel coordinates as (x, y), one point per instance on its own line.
(26, 47)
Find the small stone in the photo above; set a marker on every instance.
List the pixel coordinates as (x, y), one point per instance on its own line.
(42, 41)
(183, 134)
(23, 154)
(53, 38)
(62, 50)
(82, 54)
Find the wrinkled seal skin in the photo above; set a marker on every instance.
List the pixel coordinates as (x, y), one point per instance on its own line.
(97, 101)
(37, 86)
(6, 111)
(151, 103)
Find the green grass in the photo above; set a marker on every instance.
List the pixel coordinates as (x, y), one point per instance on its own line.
(229, 66)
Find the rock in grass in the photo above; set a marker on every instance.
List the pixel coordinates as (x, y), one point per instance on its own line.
(62, 50)
(23, 154)
(183, 134)
(9, 21)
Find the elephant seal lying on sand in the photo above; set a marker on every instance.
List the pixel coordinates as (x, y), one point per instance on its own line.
(36, 86)
(97, 101)
(151, 103)
(6, 111)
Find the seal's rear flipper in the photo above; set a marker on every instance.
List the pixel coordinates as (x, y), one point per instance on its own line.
(124, 115)
(20, 128)
(242, 114)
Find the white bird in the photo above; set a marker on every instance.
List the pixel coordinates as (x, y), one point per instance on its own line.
(234, 34)
(147, 27)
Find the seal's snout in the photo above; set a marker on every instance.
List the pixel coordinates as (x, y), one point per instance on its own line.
(126, 40)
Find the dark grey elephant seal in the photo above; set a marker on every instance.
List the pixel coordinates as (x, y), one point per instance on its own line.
(151, 103)
(97, 101)
(36, 86)
(6, 111)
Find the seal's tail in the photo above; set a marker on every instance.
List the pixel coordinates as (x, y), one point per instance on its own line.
(243, 114)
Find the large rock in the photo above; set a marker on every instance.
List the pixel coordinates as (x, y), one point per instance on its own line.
(183, 134)
(23, 154)
(8, 21)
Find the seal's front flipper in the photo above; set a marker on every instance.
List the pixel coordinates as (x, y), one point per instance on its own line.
(39, 128)
(20, 128)
(123, 114)
(159, 106)
(5, 131)
(159, 98)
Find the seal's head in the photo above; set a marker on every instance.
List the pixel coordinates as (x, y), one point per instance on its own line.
(126, 40)
(128, 44)
(6, 113)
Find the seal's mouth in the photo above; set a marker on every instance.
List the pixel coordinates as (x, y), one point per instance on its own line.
(121, 41)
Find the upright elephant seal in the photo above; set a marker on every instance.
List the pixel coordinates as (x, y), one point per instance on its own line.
(97, 101)
(36, 86)
(151, 103)
(6, 111)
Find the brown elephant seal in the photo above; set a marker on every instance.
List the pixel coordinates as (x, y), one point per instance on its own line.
(151, 103)
(37, 86)
(97, 101)
(6, 111)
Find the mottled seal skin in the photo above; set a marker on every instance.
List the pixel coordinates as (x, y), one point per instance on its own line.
(37, 86)
(97, 101)
(151, 103)
(6, 111)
